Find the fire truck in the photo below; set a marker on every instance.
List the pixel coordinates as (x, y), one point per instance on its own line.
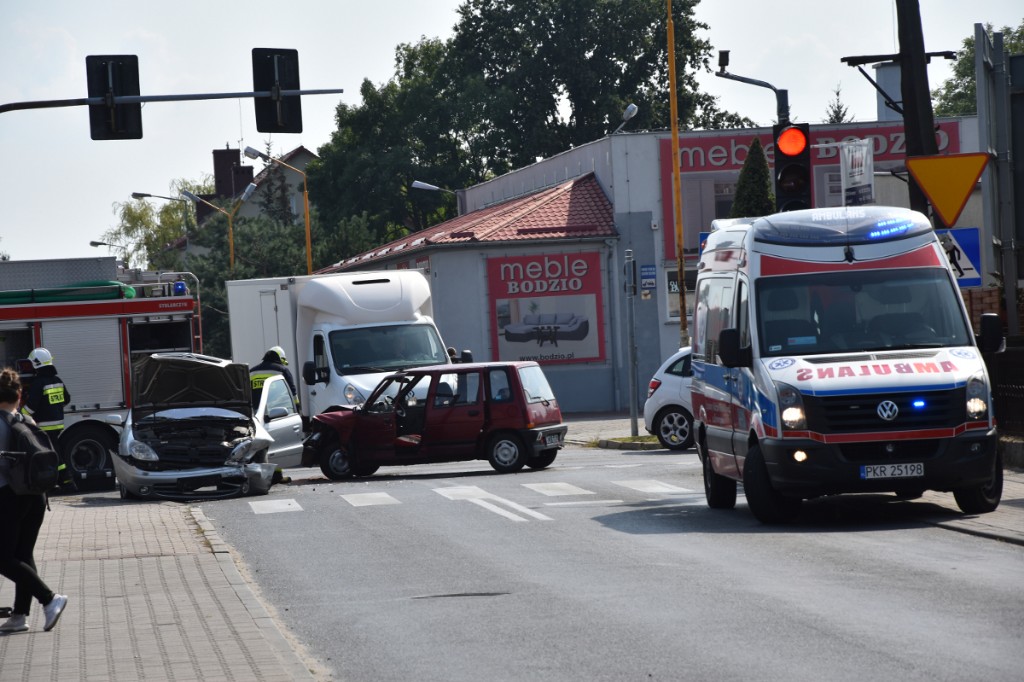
(95, 317)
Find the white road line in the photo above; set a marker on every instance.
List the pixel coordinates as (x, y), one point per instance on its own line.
(652, 486)
(274, 506)
(582, 503)
(369, 499)
(556, 489)
(486, 500)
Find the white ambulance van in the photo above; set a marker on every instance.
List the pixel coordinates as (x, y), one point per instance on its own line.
(833, 353)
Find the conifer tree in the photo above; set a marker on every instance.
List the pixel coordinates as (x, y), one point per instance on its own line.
(754, 196)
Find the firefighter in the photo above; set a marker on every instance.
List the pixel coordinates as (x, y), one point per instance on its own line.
(45, 403)
(274, 362)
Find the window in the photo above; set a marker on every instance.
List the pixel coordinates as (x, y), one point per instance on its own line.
(498, 380)
(457, 389)
(279, 395)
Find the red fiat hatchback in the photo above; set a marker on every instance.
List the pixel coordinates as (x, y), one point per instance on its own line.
(504, 412)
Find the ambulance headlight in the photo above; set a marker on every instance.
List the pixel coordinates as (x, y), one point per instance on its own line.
(977, 397)
(791, 405)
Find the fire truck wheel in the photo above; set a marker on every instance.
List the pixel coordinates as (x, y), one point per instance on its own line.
(87, 451)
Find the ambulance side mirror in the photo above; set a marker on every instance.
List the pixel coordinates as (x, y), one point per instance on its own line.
(991, 338)
(730, 351)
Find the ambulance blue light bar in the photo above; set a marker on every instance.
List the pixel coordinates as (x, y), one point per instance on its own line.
(840, 225)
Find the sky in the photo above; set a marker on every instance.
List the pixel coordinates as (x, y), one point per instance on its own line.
(60, 188)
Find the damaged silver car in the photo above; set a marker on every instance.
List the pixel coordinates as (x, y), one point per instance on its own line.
(191, 432)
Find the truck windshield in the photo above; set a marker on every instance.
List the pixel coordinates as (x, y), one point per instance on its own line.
(367, 350)
(861, 310)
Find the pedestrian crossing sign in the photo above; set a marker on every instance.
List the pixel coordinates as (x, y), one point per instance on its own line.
(963, 249)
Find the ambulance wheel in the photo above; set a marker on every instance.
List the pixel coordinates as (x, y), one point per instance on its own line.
(766, 503)
(719, 491)
(982, 499)
(86, 450)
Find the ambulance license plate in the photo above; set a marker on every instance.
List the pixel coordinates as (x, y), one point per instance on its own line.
(910, 470)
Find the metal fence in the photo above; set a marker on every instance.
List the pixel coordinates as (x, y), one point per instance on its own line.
(1006, 370)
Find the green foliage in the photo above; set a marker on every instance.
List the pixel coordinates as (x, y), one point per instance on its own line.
(957, 96)
(754, 196)
(275, 194)
(149, 228)
(837, 112)
(519, 79)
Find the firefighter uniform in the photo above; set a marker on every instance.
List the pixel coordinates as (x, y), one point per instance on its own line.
(45, 401)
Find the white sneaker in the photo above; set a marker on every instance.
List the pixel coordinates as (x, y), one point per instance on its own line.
(16, 623)
(53, 610)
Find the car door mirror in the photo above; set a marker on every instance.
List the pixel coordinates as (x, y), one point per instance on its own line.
(276, 413)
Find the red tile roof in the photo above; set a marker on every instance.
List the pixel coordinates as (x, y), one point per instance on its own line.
(576, 209)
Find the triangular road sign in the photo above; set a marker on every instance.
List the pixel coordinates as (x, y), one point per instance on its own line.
(947, 181)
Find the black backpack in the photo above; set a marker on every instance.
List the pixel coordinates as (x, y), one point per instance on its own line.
(34, 466)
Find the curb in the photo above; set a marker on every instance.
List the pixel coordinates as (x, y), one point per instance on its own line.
(271, 631)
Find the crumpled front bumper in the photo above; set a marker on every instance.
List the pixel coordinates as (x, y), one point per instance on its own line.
(203, 483)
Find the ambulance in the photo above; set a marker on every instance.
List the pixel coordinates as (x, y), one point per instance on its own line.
(833, 353)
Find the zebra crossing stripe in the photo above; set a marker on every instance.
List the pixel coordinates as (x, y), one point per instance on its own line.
(274, 506)
(482, 498)
(369, 499)
(652, 486)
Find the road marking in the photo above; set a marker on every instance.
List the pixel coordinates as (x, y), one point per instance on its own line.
(369, 499)
(651, 486)
(582, 503)
(481, 498)
(556, 489)
(274, 506)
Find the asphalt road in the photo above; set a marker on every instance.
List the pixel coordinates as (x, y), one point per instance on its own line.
(609, 566)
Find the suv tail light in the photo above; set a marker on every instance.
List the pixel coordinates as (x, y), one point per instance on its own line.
(653, 386)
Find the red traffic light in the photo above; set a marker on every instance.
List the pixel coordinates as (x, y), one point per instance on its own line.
(792, 141)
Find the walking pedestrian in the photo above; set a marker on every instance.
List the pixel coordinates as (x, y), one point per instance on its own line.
(21, 517)
(45, 401)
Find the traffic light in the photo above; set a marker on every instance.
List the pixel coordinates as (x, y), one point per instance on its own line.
(792, 167)
(276, 70)
(110, 76)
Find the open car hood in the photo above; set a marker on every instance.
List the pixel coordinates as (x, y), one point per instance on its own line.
(163, 381)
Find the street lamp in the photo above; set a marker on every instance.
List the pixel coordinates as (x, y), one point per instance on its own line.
(629, 113)
(460, 196)
(256, 154)
(195, 198)
(145, 195)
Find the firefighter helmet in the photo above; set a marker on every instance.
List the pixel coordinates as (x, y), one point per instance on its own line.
(40, 357)
(277, 350)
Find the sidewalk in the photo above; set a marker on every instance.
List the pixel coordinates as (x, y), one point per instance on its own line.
(155, 593)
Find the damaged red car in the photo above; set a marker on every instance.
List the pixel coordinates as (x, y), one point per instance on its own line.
(503, 412)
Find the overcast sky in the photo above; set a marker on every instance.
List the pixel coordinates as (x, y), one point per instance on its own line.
(60, 186)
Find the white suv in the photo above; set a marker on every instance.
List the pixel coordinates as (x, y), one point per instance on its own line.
(668, 413)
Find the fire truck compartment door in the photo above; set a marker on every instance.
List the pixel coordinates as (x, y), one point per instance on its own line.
(87, 355)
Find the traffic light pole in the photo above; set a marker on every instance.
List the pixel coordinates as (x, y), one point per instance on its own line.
(138, 99)
(781, 96)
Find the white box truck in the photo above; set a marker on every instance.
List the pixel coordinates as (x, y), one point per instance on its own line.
(833, 353)
(341, 332)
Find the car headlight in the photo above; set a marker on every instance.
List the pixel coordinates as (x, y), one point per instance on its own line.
(142, 452)
(240, 452)
(977, 396)
(353, 396)
(791, 405)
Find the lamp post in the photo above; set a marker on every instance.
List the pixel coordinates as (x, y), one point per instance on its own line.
(195, 198)
(460, 196)
(256, 154)
(124, 249)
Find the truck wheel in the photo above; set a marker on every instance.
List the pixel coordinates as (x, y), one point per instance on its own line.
(765, 502)
(506, 453)
(87, 451)
(719, 491)
(335, 461)
(982, 499)
(543, 460)
(674, 428)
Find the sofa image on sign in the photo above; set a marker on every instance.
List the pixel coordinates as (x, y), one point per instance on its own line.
(550, 327)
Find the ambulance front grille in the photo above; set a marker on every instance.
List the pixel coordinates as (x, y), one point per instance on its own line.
(860, 413)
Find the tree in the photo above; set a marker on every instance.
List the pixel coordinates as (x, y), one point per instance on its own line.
(837, 111)
(957, 96)
(754, 196)
(518, 79)
(149, 228)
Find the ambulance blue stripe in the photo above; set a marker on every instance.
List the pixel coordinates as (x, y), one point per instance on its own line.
(888, 389)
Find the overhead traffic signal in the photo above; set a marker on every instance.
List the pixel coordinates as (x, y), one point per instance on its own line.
(792, 166)
(275, 70)
(111, 76)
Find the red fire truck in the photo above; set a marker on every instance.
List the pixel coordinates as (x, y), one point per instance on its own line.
(95, 317)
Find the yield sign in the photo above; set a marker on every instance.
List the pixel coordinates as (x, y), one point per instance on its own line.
(947, 181)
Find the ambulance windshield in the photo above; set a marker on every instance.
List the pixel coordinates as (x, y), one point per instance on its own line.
(865, 310)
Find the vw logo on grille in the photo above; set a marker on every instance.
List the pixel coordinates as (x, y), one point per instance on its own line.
(887, 410)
